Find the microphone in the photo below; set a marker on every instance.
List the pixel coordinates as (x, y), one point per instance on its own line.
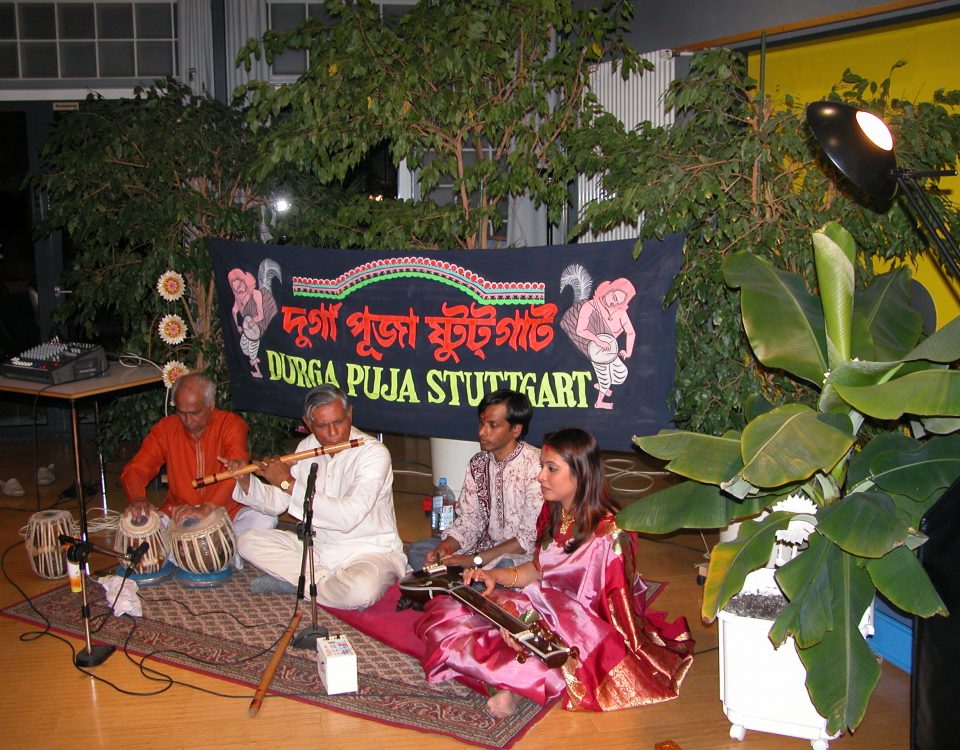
(80, 549)
(311, 482)
(134, 556)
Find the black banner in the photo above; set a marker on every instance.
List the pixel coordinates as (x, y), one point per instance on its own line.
(416, 339)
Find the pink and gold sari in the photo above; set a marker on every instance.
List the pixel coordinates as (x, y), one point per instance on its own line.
(594, 600)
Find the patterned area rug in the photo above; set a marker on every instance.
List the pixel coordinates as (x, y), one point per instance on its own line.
(230, 633)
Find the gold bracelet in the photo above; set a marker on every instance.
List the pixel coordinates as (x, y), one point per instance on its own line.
(516, 575)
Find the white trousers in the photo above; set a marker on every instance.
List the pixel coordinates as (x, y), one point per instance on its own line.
(355, 585)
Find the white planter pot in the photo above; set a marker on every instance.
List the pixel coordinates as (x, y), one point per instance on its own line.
(762, 687)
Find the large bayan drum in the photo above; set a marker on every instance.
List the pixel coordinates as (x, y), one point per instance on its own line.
(42, 539)
(132, 532)
(204, 548)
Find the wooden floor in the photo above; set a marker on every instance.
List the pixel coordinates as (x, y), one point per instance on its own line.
(46, 702)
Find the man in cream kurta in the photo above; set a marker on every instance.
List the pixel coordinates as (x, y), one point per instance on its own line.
(357, 549)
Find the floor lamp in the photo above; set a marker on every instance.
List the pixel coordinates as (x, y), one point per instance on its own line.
(860, 145)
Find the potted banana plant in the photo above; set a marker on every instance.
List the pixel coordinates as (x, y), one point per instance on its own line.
(829, 497)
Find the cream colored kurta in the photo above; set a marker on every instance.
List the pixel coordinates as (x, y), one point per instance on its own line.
(357, 549)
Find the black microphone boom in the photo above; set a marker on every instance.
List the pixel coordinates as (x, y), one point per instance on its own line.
(131, 556)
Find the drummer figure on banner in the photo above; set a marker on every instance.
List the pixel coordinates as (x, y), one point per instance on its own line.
(196, 526)
(595, 325)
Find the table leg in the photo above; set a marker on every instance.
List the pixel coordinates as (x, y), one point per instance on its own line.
(74, 423)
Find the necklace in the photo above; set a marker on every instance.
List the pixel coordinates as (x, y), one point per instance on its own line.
(566, 521)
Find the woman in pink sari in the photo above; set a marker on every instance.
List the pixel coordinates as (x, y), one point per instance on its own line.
(583, 585)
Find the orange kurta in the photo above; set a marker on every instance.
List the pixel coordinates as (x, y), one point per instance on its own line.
(168, 444)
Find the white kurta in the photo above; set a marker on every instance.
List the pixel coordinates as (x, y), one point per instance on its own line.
(357, 549)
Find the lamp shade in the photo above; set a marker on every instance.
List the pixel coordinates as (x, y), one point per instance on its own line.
(839, 131)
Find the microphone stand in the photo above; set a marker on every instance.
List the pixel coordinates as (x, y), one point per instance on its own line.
(309, 635)
(78, 553)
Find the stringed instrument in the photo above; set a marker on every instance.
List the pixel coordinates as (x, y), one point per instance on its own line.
(534, 637)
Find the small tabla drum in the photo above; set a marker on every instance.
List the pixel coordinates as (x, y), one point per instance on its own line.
(48, 557)
(154, 566)
(204, 548)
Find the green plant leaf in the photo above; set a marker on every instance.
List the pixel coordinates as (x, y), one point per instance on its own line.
(792, 442)
(730, 562)
(833, 251)
(805, 581)
(842, 672)
(704, 458)
(688, 505)
(942, 346)
(783, 321)
(924, 393)
(921, 471)
(941, 425)
(829, 594)
(895, 326)
(865, 524)
(900, 577)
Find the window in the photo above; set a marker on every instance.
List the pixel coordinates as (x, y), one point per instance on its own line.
(286, 14)
(89, 40)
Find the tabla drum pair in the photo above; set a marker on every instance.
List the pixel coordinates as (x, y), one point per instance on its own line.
(202, 549)
(48, 557)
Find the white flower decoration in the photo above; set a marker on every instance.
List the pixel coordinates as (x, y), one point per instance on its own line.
(171, 286)
(796, 503)
(172, 329)
(173, 371)
(795, 533)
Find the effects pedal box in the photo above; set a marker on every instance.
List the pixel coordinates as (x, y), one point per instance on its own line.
(337, 664)
(56, 362)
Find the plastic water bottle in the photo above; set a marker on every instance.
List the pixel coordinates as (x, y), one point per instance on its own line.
(447, 504)
(436, 506)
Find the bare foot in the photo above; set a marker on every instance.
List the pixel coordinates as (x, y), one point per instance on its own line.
(502, 704)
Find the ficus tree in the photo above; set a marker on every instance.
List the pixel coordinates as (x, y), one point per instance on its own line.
(478, 97)
(137, 184)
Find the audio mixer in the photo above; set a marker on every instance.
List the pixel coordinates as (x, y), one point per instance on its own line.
(57, 362)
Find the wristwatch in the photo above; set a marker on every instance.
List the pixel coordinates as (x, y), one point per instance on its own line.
(477, 560)
(285, 485)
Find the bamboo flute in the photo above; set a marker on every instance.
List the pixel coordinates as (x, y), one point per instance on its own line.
(288, 459)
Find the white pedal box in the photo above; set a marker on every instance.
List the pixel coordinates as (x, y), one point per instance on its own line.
(337, 664)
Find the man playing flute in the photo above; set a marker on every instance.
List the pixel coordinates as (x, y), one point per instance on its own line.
(191, 443)
(357, 550)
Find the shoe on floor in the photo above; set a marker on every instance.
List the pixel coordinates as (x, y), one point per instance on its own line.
(45, 475)
(12, 488)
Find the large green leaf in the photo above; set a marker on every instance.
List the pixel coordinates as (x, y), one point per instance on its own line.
(921, 471)
(783, 321)
(704, 458)
(900, 577)
(792, 442)
(924, 393)
(942, 346)
(688, 505)
(865, 524)
(829, 593)
(805, 581)
(730, 562)
(842, 672)
(835, 278)
(895, 326)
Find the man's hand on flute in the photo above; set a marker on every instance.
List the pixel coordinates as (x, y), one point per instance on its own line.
(272, 468)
